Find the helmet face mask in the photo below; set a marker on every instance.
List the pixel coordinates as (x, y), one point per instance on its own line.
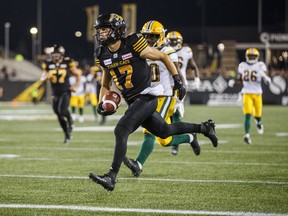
(151, 39)
(175, 40)
(154, 33)
(252, 55)
(110, 27)
(57, 52)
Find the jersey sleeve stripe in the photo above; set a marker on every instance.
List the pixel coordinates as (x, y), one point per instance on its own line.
(97, 61)
(140, 45)
(169, 52)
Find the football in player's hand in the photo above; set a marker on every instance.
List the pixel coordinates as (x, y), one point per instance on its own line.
(111, 101)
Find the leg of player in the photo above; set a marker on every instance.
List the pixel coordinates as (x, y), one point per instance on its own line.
(247, 110)
(176, 117)
(247, 137)
(148, 145)
(64, 111)
(258, 113)
(259, 125)
(143, 112)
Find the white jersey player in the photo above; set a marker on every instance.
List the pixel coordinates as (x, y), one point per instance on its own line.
(185, 60)
(185, 56)
(77, 99)
(154, 33)
(252, 75)
(81, 89)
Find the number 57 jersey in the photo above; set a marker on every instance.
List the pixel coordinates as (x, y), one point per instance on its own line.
(251, 75)
(59, 74)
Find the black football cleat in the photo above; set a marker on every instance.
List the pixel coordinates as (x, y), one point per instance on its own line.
(67, 139)
(195, 145)
(209, 131)
(105, 181)
(174, 150)
(247, 139)
(70, 128)
(133, 166)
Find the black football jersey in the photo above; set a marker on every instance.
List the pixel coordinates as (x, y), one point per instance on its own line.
(130, 72)
(59, 74)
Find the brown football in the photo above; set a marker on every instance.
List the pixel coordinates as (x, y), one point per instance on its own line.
(111, 101)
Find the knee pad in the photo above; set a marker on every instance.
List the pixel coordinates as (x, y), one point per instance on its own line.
(121, 130)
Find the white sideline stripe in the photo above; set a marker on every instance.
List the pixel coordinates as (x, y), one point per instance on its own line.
(9, 156)
(163, 211)
(151, 179)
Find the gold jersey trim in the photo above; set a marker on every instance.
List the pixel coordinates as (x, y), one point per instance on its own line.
(140, 45)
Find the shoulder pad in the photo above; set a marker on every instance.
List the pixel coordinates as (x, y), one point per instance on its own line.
(133, 37)
(136, 41)
(187, 48)
(261, 63)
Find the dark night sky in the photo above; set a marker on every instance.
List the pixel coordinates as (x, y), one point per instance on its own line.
(61, 18)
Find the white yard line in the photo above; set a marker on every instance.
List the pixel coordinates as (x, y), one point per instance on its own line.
(152, 179)
(69, 148)
(135, 210)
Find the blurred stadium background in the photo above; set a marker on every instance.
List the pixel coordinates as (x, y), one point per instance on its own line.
(219, 32)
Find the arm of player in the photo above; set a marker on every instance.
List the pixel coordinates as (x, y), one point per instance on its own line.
(154, 54)
(179, 72)
(266, 78)
(43, 79)
(192, 64)
(44, 76)
(237, 81)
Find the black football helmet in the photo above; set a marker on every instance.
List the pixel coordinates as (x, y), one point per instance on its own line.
(113, 21)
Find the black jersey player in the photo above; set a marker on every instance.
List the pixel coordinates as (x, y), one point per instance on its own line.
(123, 60)
(57, 69)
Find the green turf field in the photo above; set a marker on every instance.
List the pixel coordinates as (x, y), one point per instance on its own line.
(41, 176)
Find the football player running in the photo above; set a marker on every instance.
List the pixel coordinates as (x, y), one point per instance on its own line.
(57, 69)
(154, 33)
(186, 60)
(123, 60)
(250, 74)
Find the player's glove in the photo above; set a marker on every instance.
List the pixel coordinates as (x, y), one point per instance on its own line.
(178, 85)
(267, 80)
(231, 83)
(103, 112)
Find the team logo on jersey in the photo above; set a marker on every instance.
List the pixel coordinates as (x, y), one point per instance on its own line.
(115, 55)
(107, 61)
(127, 56)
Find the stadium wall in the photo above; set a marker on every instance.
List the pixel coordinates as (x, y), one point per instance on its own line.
(213, 91)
